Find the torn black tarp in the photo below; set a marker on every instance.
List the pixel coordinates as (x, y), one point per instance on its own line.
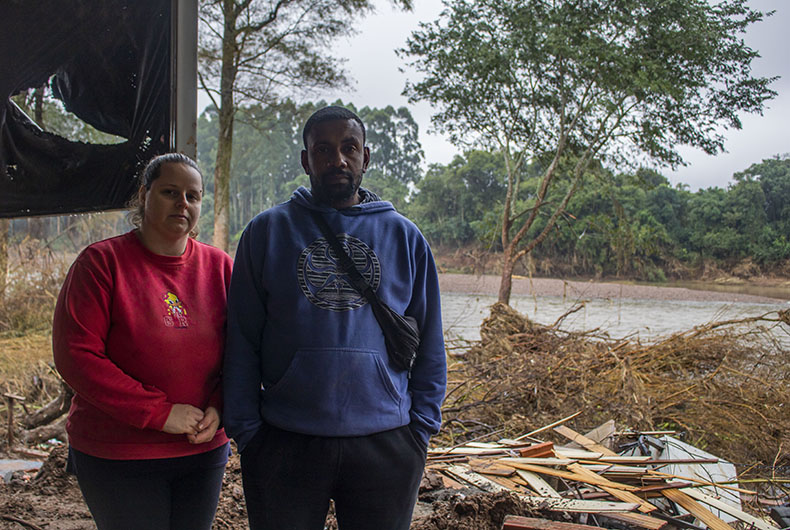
(109, 62)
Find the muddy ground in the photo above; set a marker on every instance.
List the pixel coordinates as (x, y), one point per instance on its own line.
(51, 500)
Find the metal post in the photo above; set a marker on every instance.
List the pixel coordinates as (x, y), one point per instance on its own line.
(183, 77)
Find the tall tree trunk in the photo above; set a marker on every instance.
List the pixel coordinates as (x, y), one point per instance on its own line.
(227, 112)
(222, 180)
(38, 106)
(506, 283)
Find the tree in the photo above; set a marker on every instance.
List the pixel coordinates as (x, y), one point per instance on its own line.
(266, 155)
(395, 152)
(258, 50)
(773, 175)
(453, 201)
(563, 84)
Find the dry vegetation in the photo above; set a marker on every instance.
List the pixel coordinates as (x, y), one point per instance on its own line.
(34, 278)
(26, 305)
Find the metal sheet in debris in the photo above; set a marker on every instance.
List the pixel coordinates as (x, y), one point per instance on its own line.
(722, 471)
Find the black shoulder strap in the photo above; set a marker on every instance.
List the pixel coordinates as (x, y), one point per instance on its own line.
(346, 263)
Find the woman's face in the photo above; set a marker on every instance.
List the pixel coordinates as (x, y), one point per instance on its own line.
(171, 207)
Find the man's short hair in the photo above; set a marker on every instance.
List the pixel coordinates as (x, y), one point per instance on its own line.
(330, 113)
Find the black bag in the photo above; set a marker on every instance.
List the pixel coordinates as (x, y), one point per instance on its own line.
(401, 333)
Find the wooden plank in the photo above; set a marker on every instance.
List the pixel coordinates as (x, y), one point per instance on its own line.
(637, 519)
(538, 484)
(510, 484)
(545, 449)
(610, 487)
(582, 440)
(576, 454)
(538, 502)
(602, 432)
(511, 442)
(515, 522)
(658, 487)
(484, 445)
(611, 468)
(475, 479)
(490, 467)
(538, 461)
(549, 426)
(467, 451)
(696, 509)
(703, 482)
(520, 481)
(577, 505)
(761, 524)
(625, 459)
(597, 481)
(449, 483)
(665, 461)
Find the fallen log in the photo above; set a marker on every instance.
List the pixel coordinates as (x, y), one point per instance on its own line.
(45, 432)
(52, 410)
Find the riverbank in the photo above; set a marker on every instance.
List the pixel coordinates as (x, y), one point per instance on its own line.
(585, 290)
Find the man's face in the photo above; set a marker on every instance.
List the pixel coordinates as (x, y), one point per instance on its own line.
(335, 160)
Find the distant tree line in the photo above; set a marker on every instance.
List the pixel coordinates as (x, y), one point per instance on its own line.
(629, 224)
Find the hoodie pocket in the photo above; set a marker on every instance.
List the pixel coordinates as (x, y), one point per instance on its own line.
(334, 392)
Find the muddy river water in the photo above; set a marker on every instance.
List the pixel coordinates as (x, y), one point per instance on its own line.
(646, 312)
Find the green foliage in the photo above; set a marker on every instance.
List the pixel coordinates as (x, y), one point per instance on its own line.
(561, 85)
(392, 136)
(656, 74)
(632, 225)
(50, 114)
(454, 202)
(395, 152)
(774, 178)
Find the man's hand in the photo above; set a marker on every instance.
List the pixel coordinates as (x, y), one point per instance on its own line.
(183, 419)
(206, 428)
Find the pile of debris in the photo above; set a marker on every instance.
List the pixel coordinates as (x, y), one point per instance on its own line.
(723, 384)
(673, 485)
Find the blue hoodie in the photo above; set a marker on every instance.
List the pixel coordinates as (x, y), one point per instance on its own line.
(304, 350)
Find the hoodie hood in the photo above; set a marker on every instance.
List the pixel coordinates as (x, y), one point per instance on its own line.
(373, 204)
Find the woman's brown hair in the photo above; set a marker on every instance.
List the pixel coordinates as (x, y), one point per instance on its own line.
(151, 172)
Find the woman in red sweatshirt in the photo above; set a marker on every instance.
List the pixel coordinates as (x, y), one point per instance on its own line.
(138, 333)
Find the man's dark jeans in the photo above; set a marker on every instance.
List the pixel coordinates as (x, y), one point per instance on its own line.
(289, 479)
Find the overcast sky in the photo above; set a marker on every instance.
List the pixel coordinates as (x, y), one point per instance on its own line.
(372, 63)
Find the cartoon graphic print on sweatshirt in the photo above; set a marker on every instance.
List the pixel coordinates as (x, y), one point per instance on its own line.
(325, 284)
(176, 314)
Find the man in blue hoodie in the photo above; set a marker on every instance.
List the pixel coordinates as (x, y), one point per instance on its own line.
(316, 407)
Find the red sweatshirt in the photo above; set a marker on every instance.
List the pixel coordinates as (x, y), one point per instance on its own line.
(134, 333)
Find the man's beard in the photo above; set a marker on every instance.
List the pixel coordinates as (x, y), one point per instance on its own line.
(335, 193)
